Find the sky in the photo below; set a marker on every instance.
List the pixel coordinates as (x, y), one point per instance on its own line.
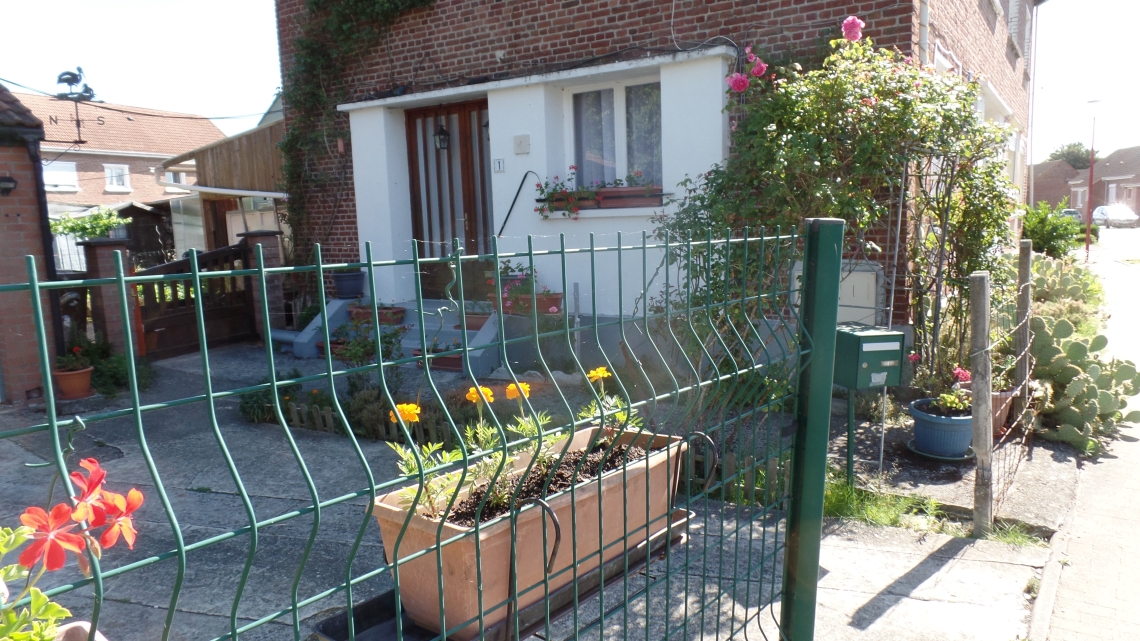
(219, 58)
(1085, 51)
(204, 57)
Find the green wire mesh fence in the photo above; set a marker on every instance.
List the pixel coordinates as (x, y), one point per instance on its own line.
(661, 477)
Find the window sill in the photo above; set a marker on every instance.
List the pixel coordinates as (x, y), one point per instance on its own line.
(625, 212)
(176, 190)
(117, 190)
(62, 190)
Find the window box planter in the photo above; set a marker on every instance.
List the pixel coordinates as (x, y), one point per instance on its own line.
(563, 204)
(623, 500)
(388, 315)
(944, 436)
(336, 347)
(449, 363)
(74, 384)
(349, 284)
(545, 302)
(621, 197)
(475, 321)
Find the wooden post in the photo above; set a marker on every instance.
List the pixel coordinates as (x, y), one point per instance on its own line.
(100, 255)
(982, 407)
(272, 255)
(1021, 336)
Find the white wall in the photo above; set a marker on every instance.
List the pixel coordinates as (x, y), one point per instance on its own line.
(694, 138)
(383, 196)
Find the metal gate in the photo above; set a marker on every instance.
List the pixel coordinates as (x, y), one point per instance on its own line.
(667, 483)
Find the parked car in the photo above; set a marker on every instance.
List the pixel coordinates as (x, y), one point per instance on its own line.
(1075, 214)
(1117, 215)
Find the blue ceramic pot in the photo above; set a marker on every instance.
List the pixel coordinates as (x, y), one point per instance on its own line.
(349, 284)
(947, 436)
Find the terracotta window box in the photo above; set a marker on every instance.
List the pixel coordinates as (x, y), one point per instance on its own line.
(545, 301)
(449, 363)
(628, 197)
(623, 500)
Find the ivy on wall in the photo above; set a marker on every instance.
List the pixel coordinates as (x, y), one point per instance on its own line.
(335, 34)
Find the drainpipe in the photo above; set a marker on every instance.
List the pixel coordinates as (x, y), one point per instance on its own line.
(46, 237)
(1032, 105)
(924, 31)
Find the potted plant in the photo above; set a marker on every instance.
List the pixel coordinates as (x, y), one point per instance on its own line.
(519, 291)
(73, 375)
(476, 313)
(564, 196)
(47, 537)
(447, 362)
(943, 426)
(349, 284)
(388, 314)
(1001, 397)
(634, 191)
(638, 482)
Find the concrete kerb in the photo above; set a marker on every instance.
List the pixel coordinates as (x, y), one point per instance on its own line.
(1042, 614)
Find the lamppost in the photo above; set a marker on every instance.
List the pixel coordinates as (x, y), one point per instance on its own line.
(1088, 205)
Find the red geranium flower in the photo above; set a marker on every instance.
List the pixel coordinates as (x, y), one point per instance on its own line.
(118, 511)
(90, 489)
(52, 538)
(76, 349)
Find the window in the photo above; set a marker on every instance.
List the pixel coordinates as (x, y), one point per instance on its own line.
(178, 177)
(118, 178)
(604, 117)
(60, 176)
(1078, 198)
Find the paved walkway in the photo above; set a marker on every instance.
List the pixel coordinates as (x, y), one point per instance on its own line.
(1097, 598)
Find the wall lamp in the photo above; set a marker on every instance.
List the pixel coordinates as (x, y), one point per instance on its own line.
(7, 184)
(442, 138)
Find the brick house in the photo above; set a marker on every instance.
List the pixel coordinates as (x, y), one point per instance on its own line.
(1052, 182)
(23, 227)
(1116, 179)
(530, 88)
(122, 149)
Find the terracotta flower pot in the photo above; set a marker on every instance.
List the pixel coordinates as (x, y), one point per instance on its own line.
(475, 321)
(73, 385)
(545, 303)
(622, 501)
(1001, 403)
(450, 362)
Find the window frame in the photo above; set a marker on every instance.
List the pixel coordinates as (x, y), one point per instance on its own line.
(57, 187)
(125, 188)
(621, 149)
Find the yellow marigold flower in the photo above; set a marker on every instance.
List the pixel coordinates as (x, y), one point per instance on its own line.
(513, 391)
(598, 373)
(473, 395)
(410, 412)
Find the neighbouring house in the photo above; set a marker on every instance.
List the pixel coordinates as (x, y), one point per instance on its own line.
(463, 106)
(1116, 179)
(24, 230)
(1052, 183)
(122, 146)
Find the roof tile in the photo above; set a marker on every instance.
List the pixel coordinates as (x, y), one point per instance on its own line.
(13, 113)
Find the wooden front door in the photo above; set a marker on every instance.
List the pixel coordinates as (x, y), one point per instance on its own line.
(451, 188)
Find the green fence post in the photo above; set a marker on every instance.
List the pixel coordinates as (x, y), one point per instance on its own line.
(820, 307)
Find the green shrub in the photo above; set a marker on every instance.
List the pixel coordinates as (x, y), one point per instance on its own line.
(1053, 233)
(110, 375)
(257, 407)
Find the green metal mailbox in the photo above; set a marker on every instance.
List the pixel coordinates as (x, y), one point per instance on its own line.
(867, 356)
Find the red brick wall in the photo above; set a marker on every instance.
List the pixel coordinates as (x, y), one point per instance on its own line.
(454, 40)
(93, 179)
(20, 231)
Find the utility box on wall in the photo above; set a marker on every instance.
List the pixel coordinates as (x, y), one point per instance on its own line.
(867, 356)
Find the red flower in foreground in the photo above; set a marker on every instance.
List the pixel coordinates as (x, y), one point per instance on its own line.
(76, 349)
(117, 512)
(52, 538)
(90, 489)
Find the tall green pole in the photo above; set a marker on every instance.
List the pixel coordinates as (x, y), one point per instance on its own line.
(819, 310)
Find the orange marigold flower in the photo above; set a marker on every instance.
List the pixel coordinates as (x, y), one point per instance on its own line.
(597, 373)
(410, 412)
(473, 395)
(52, 539)
(513, 391)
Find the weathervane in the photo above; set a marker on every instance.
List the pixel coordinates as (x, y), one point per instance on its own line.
(85, 94)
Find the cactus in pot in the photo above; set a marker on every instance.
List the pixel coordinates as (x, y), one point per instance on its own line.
(1082, 395)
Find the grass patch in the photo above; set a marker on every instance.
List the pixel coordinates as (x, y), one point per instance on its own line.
(1014, 534)
(1033, 587)
(856, 504)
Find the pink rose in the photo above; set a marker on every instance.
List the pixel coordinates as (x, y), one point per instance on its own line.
(751, 57)
(738, 82)
(853, 28)
(759, 69)
(508, 303)
(553, 309)
(961, 375)
(914, 358)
